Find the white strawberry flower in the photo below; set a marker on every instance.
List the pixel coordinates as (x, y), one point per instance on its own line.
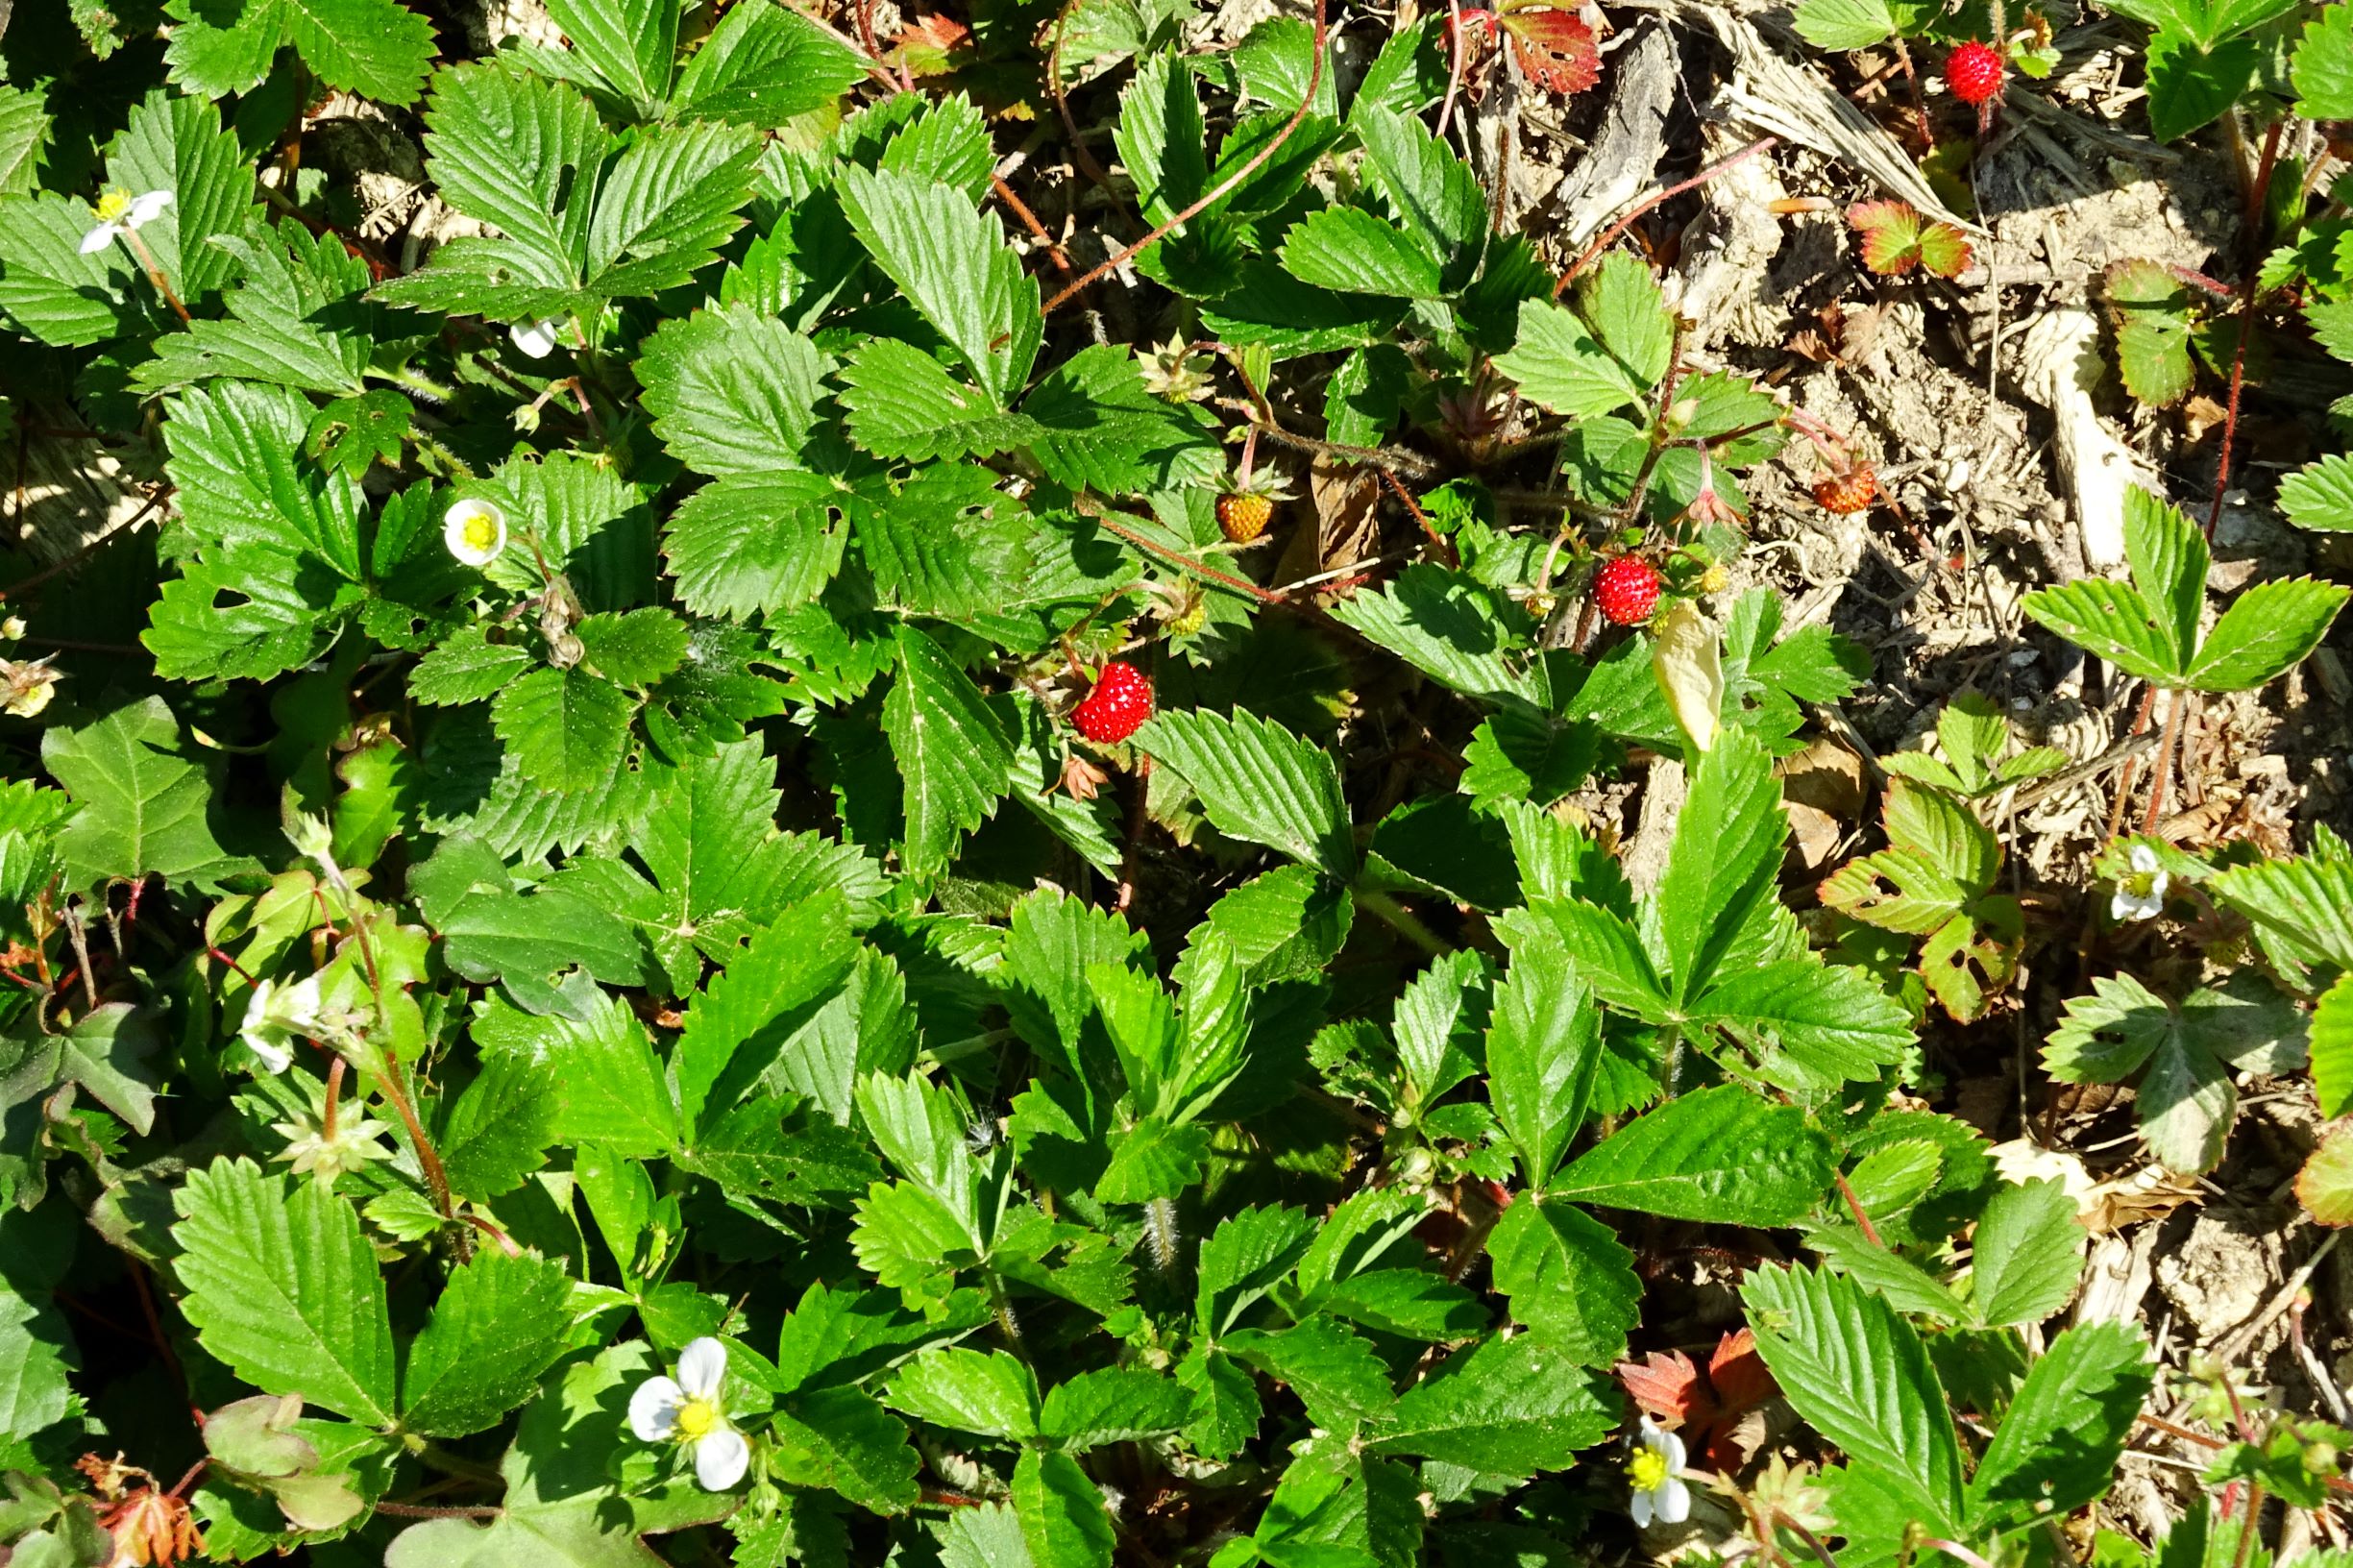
(278, 1016)
(686, 1410)
(1660, 1492)
(537, 339)
(119, 212)
(2139, 892)
(475, 531)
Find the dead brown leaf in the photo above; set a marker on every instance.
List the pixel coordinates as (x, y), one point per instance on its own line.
(1822, 788)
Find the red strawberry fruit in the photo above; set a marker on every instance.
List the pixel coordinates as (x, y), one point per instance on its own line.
(1627, 589)
(1847, 490)
(1118, 705)
(1975, 72)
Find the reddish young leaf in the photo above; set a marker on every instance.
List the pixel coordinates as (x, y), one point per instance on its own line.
(1943, 250)
(1890, 233)
(1666, 1384)
(1554, 47)
(1708, 1406)
(1474, 23)
(1737, 1373)
(925, 44)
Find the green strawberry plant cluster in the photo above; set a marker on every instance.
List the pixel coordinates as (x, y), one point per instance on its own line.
(585, 990)
(2281, 72)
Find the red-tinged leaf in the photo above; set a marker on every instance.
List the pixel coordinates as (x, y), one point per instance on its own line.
(936, 32)
(926, 45)
(1943, 250)
(1710, 1405)
(1556, 48)
(1891, 233)
(1740, 1383)
(1737, 1373)
(1474, 24)
(1667, 1386)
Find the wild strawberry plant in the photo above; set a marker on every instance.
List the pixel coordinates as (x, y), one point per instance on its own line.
(682, 922)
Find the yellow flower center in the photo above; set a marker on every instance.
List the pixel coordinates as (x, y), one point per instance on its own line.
(2139, 884)
(112, 206)
(1647, 1469)
(481, 531)
(695, 1419)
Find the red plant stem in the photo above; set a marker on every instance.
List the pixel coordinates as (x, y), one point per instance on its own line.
(186, 1481)
(162, 1342)
(1174, 557)
(428, 1157)
(2132, 764)
(1610, 233)
(1954, 1549)
(1454, 64)
(1438, 541)
(162, 494)
(1871, 1231)
(154, 274)
(2246, 323)
(1029, 221)
(2164, 764)
(239, 969)
(1218, 192)
(507, 1242)
(1813, 1542)
(1920, 105)
(865, 37)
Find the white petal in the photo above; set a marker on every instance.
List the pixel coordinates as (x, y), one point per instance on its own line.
(2130, 906)
(145, 209)
(701, 1367)
(722, 1458)
(2143, 858)
(653, 1410)
(537, 339)
(100, 237)
(302, 1002)
(1640, 1508)
(272, 1049)
(455, 521)
(1671, 1446)
(1673, 1502)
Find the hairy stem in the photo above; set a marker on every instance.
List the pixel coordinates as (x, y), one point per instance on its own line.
(1218, 192)
(1610, 234)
